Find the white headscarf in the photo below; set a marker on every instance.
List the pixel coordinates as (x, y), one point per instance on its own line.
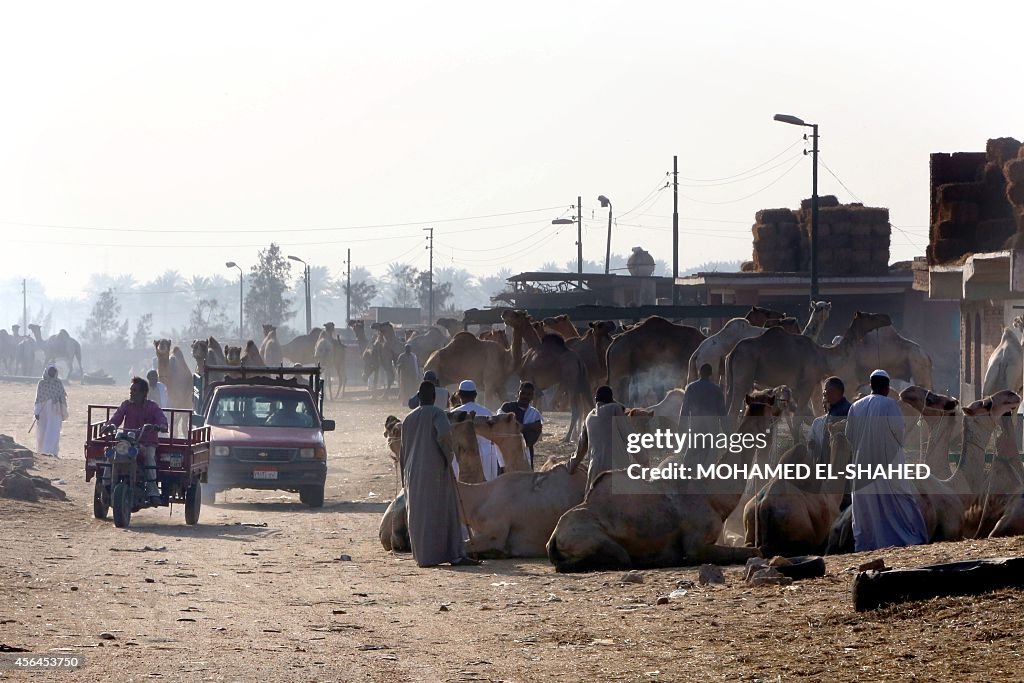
(50, 387)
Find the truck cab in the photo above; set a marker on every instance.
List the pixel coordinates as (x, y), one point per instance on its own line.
(266, 431)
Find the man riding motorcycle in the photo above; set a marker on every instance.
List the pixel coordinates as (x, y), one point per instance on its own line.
(134, 413)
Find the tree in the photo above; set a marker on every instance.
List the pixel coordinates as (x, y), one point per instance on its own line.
(267, 300)
(401, 280)
(442, 292)
(102, 324)
(464, 290)
(143, 331)
(492, 285)
(362, 294)
(208, 319)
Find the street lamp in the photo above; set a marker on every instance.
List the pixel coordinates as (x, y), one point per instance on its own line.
(608, 251)
(241, 334)
(305, 276)
(793, 120)
(579, 236)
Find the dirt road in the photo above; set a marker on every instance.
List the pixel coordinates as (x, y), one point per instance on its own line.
(257, 591)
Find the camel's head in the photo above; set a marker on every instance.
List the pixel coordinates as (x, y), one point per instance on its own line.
(789, 324)
(515, 319)
(199, 349)
(603, 328)
(392, 427)
(329, 327)
(863, 323)
(16, 329)
(999, 404)
(35, 328)
(267, 329)
(214, 345)
(385, 330)
(927, 403)
(758, 315)
(820, 310)
(233, 355)
(163, 348)
(355, 324)
(252, 353)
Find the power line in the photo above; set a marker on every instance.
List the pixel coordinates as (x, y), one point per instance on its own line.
(747, 177)
(270, 230)
(752, 194)
(763, 163)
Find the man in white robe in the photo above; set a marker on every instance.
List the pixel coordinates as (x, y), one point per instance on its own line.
(51, 408)
(885, 510)
(491, 458)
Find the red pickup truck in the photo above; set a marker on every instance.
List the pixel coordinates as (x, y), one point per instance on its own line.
(266, 430)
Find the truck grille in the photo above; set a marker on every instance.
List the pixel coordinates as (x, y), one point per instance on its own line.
(265, 454)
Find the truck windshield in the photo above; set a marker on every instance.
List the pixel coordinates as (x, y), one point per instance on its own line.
(251, 410)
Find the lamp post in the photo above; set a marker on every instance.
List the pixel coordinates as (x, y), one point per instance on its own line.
(793, 120)
(305, 277)
(241, 328)
(579, 236)
(608, 250)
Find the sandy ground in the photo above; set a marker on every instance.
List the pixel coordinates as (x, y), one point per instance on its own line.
(257, 591)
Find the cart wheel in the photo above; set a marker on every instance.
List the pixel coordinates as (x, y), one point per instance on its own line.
(313, 496)
(100, 501)
(193, 502)
(122, 499)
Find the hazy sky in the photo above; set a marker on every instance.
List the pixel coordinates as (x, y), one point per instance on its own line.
(183, 135)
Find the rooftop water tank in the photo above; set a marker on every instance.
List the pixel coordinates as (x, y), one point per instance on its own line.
(640, 263)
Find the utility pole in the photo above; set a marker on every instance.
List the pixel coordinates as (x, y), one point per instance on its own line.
(814, 215)
(430, 280)
(24, 306)
(579, 239)
(675, 229)
(348, 284)
(309, 307)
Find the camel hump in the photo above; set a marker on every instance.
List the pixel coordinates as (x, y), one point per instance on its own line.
(553, 339)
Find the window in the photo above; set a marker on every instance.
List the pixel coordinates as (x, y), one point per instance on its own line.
(294, 409)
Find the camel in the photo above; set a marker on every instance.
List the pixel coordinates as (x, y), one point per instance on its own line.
(8, 347)
(467, 449)
(215, 356)
(511, 516)
(62, 346)
(27, 348)
(300, 349)
(669, 406)
(789, 324)
(560, 324)
(425, 343)
(384, 351)
(1003, 485)
(325, 354)
(232, 355)
(270, 348)
(497, 336)
(653, 354)
(466, 357)
(625, 523)
(789, 517)
(251, 356)
(715, 348)
(592, 348)
(1004, 369)
(776, 357)
(200, 348)
(450, 325)
(549, 363)
(358, 328)
(758, 315)
(886, 348)
(507, 434)
(176, 375)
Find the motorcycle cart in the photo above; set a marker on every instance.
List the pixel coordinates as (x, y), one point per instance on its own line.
(116, 462)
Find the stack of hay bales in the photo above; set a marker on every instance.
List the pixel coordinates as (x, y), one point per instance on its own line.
(776, 241)
(853, 239)
(973, 200)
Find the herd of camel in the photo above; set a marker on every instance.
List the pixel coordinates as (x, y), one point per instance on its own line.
(620, 522)
(20, 353)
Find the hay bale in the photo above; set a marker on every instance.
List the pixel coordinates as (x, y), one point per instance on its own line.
(949, 230)
(764, 231)
(961, 192)
(747, 267)
(1015, 194)
(946, 250)
(775, 216)
(881, 230)
(959, 212)
(860, 230)
(824, 201)
(1001, 150)
(880, 256)
(859, 256)
(869, 214)
(1013, 170)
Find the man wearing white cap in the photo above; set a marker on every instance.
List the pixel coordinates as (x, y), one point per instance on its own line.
(490, 454)
(885, 509)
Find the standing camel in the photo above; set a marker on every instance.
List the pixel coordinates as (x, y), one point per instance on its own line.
(652, 355)
(592, 348)
(7, 351)
(62, 346)
(175, 374)
(270, 349)
(326, 353)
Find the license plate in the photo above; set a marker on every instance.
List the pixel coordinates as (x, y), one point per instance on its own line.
(264, 473)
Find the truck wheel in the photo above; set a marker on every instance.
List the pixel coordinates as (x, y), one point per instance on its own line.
(100, 501)
(193, 502)
(122, 499)
(313, 496)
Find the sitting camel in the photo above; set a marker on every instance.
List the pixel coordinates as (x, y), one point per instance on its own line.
(789, 517)
(625, 523)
